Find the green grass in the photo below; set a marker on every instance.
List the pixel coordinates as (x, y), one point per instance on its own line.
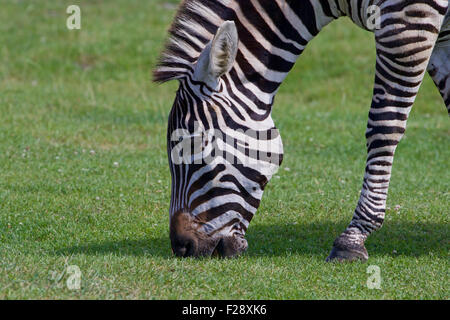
(72, 103)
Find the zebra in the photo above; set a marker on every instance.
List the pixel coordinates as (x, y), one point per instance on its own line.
(230, 57)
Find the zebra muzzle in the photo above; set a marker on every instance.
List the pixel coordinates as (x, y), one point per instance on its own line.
(229, 247)
(188, 239)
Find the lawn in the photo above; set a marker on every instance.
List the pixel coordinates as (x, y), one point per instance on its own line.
(84, 178)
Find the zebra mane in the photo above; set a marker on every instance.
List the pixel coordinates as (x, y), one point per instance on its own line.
(195, 24)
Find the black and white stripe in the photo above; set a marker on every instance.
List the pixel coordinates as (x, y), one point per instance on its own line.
(224, 195)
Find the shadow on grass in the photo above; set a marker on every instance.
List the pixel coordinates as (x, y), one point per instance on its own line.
(316, 239)
(309, 239)
(127, 247)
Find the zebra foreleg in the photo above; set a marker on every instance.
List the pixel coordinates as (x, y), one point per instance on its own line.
(439, 66)
(439, 70)
(384, 131)
(400, 67)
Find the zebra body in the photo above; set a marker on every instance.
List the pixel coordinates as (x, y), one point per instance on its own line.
(230, 57)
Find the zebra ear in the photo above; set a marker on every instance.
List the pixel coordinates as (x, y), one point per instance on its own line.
(219, 55)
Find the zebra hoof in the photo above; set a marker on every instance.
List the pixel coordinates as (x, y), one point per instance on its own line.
(345, 251)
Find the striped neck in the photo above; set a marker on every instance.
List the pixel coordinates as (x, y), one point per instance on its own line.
(272, 34)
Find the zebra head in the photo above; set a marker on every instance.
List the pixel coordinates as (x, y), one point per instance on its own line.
(222, 153)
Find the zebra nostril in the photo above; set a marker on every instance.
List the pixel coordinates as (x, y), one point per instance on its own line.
(180, 251)
(189, 249)
(183, 240)
(183, 248)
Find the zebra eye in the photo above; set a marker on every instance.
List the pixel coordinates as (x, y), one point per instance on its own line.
(180, 139)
